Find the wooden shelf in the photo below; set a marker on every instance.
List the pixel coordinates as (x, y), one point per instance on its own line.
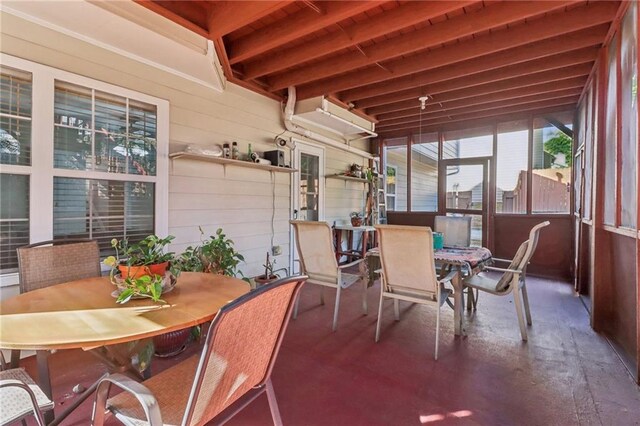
(345, 177)
(228, 161)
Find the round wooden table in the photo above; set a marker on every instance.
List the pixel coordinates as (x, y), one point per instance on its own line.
(84, 314)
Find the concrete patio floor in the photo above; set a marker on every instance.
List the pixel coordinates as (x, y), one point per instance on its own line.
(566, 374)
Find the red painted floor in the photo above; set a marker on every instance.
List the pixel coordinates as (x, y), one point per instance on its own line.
(566, 374)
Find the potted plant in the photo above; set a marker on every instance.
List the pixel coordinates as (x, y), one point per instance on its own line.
(146, 257)
(216, 255)
(356, 219)
(268, 275)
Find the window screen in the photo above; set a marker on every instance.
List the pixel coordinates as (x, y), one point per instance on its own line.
(15, 117)
(14, 218)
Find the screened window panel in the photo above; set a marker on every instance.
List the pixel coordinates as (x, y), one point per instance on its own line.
(629, 117)
(468, 143)
(588, 153)
(611, 137)
(552, 167)
(15, 116)
(396, 160)
(424, 173)
(103, 132)
(102, 210)
(14, 218)
(512, 165)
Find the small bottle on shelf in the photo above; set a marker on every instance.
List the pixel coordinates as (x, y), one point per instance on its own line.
(250, 153)
(226, 153)
(235, 154)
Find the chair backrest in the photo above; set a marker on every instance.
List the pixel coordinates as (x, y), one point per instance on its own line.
(456, 230)
(53, 262)
(406, 254)
(241, 348)
(522, 257)
(315, 249)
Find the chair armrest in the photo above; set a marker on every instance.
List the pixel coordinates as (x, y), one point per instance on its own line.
(6, 383)
(347, 265)
(451, 275)
(497, 259)
(493, 268)
(142, 393)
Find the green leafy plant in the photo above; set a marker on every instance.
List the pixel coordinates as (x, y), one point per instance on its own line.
(148, 251)
(215, 255)
(560, 143)
(145, 286)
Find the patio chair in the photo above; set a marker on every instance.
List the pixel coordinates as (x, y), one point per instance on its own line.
(456, 231)
(234, 367)
(318, 261)
(409, 271)
(512, 279)
(20, 397)
(54, 262)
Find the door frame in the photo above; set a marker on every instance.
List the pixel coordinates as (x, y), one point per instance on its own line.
(313, 149)
(485, 162)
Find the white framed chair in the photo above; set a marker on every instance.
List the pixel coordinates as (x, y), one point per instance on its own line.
(318, 261)
(233, 369)
(408, 271)
(512, 279)
(456, 231)
(20, 396)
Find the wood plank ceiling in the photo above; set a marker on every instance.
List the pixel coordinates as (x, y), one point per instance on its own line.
(476, 60)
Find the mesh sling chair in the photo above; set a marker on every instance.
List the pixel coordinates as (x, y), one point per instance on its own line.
(408, 270)
(512, 279)
(54, 262)
(20, 397)
(318, 261)
(236, 363)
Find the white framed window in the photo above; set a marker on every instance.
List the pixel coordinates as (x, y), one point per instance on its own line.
(79, 158)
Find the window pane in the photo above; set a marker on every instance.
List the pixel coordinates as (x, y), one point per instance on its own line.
(588, 154)
(468, 143)
(396, 160)
(552, 158)
(610, 142)
(424, 173)
(512, 164)
(102, 210)
(629, 115)
(15, 117)
(14, 218)
(465, 186)
(98, 131)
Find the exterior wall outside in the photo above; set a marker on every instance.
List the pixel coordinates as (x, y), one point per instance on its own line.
(200, 193)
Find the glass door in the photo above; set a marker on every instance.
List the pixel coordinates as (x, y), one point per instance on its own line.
(466, 194)
(307, 190)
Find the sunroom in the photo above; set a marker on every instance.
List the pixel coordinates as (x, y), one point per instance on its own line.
(260, 148)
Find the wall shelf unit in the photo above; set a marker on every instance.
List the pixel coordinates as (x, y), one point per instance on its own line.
(345, 177)
(229, 162)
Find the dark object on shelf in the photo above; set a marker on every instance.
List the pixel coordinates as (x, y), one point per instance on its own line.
(276, 157)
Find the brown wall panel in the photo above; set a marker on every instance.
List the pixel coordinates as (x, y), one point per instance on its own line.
(554, 255)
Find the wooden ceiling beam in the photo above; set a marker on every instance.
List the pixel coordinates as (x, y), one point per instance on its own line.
(404, 16)
(469, 97)
(461, 26)
(228, 16)
(461, 107)
(478, 120)
(582, 46)
(557, 24)
(304, 22)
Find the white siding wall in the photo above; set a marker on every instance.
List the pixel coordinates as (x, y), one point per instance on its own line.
(201, 194)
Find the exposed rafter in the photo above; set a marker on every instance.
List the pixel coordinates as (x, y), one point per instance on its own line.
(406, 15)
(292, 27)
(555, 25)
(434, 35)
(228, 16)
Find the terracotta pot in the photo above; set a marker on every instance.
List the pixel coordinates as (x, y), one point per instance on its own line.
(262, 280)
(356, 221)
(141, 271)
(172, 343)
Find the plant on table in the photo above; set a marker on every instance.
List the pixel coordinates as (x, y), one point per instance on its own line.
(147, 257)
(215, 255)
(148, 286)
